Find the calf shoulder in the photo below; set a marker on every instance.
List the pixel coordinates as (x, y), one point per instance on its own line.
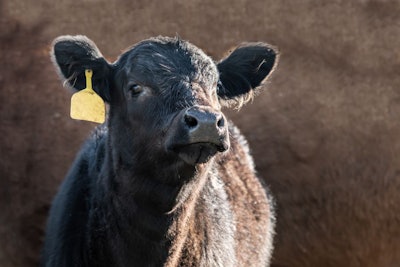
(67, 224)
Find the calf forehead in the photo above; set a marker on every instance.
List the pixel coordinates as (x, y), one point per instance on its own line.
(161, 61)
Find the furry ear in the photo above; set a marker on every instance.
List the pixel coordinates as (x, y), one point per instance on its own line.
(71, 55)
(244, 70)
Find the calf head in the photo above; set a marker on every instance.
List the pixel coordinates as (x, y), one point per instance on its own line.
(165, 95)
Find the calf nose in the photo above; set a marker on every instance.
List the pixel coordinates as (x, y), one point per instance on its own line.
(205, 125)
(196, 119)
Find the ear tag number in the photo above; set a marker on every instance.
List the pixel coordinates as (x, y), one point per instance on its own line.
(86, 104)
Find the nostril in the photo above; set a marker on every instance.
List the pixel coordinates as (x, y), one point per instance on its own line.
(221, 122)
(190, 121)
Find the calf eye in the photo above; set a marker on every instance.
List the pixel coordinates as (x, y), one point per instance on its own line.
(135, 90)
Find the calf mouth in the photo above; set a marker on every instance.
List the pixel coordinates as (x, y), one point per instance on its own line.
(197, 153)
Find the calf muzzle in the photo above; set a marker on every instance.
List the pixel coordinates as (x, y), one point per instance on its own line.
(197, 134)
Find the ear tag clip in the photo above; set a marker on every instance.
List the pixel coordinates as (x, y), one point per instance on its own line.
(87, 104)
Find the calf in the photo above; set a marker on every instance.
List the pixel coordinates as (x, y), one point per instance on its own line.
(167, 181)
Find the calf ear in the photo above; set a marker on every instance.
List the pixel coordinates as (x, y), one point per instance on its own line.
(244, 70)
(72, 55)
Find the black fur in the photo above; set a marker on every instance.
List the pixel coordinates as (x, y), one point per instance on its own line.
(131, 198)
(244, 69)
(73, 54)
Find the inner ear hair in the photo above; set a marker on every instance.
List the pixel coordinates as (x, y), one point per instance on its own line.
(239, 101)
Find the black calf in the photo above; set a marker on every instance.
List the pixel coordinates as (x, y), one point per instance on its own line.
(168, 181)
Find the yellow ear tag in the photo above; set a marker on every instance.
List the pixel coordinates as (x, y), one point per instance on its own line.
(86, 104)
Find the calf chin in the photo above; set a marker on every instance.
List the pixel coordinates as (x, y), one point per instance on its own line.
(196, 153)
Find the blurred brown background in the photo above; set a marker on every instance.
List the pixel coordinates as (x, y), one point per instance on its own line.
(325, 132)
